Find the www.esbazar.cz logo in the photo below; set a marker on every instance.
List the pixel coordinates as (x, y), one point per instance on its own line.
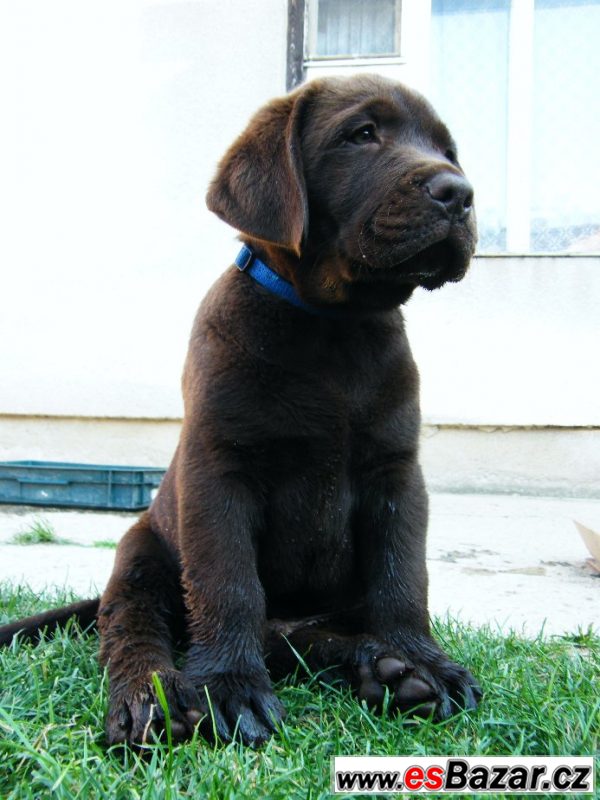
(467, 775)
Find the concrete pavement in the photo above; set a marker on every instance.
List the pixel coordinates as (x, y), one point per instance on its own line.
(515, 562)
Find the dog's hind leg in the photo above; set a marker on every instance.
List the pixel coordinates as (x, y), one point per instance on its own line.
(367, 665)
(138, 618)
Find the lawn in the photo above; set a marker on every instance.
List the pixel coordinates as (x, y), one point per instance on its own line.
(541, 698)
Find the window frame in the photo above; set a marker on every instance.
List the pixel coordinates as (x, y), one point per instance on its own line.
(296, 69)
(414, 44)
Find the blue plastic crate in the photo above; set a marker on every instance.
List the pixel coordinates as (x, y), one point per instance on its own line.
(64, 485)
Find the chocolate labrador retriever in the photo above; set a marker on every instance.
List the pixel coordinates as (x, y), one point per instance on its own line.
(293, 516)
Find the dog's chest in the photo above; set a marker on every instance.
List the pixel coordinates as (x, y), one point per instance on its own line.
(307, 545)
(334, 425)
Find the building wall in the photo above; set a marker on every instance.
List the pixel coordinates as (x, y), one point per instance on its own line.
(115, 114)
(514, 343)
(475, 458)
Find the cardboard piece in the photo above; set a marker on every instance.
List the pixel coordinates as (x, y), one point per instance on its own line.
(591, 540)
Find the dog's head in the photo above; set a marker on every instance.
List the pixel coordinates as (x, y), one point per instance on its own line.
(352, 188)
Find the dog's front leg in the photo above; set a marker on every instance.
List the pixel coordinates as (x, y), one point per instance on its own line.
(219, 521)
(393, 522)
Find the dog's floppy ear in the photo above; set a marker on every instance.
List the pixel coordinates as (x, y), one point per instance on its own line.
(259, 186)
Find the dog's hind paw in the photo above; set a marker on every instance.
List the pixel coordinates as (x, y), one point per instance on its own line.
(424, 684)
(407, 691)
(456, 688)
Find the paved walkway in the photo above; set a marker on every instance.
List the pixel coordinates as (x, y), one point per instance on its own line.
(513, 562)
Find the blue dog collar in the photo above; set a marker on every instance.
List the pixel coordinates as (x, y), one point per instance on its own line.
(248, 262)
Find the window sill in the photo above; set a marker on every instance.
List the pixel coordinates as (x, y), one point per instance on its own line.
(358, 61)
(537, 255)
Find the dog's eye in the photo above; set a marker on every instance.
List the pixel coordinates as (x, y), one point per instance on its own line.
(364, 134)
(451, 155)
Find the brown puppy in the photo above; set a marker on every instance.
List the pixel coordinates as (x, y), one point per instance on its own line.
(295, 504)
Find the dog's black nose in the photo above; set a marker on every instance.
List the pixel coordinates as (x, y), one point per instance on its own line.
(453, 191)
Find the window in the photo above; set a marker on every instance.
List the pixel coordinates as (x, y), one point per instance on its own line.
(353, 28)
(518, 83)
(337, 36)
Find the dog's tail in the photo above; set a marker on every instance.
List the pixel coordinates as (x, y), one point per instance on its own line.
(30, 628)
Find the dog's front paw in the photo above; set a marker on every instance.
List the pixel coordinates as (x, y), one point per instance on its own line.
(238, 704)
(136, 716)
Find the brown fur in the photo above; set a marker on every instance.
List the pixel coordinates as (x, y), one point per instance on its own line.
(294, 509)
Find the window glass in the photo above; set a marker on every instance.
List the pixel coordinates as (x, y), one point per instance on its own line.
(469, 88)
(354, 28)
(565, 203)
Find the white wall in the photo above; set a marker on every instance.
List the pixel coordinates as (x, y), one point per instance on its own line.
(515, 343)
(114, 115)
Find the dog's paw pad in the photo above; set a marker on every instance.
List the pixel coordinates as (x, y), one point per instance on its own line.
(372, 692)
(414, 694)
(389, 670)
(407, 690)
(194, 717)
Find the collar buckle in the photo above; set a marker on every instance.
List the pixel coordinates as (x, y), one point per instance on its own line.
(244, 258)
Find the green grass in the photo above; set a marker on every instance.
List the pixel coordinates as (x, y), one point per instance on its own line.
(40, 531)
(105, 543)
(541, 699)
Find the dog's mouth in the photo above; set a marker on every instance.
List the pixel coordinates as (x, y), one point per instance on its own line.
(429, 258)
(380, 267)
(441, 262)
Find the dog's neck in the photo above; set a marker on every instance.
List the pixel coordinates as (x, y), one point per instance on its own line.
(248, 262)
(326, 284)
(278, 272)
